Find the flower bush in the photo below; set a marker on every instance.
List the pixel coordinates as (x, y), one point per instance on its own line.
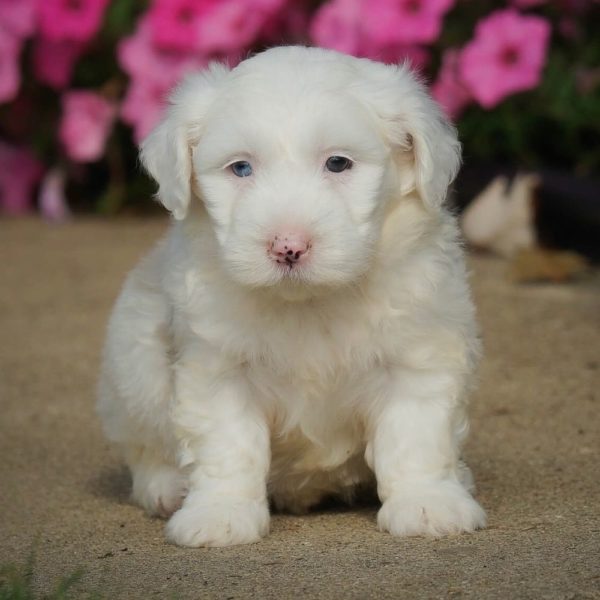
(82, 82)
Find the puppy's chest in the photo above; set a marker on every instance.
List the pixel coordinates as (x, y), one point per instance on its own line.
(312, 372)
(315, 420)
(302, 355)
(313, 347)
(315, 392)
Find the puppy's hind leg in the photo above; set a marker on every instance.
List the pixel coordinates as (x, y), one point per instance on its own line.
(136, 388)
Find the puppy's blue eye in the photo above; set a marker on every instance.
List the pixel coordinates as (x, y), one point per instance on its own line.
(241, 168)
(337, 164)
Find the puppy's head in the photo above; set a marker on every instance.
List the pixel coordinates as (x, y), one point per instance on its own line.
(295, 156)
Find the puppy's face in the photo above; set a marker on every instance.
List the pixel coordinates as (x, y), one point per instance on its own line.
(293, 184)
(295, 155)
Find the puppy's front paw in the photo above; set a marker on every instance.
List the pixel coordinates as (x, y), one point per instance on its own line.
(432, 509)
(158, 489)
(218, 522)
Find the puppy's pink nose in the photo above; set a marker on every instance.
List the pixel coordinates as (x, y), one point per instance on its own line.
(289, 248)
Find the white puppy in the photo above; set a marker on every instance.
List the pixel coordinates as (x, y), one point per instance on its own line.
(306, 326)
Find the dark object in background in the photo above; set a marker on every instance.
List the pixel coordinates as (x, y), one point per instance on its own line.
(567, 211)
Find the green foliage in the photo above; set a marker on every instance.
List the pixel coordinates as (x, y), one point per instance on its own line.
(555, 125)
(16, 583)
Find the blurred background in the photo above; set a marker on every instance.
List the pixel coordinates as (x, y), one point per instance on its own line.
(83, 81)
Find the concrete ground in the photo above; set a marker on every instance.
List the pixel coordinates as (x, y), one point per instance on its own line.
(534, 448)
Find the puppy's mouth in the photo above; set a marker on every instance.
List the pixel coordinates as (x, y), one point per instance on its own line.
(293, 282)
(288, 260)
(288, 270)
(292, 276)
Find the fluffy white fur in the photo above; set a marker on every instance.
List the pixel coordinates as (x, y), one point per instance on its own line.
(230, 379)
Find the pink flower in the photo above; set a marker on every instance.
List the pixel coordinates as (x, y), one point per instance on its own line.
(153, 73)
(52, 201)
(86, 122)
(342, 25)
(174, 24)
(337, 25)
(10, 73)
(209, 26)
(506, 56)
(448, 89)
(19, 173)
(233, 25)
(229, 26)
(141, 59)
(404, 21)
(53, 62)
(18, 17)
(143, 105)
(74, 20)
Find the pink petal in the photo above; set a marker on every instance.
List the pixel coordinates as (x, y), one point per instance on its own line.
(63, 20)
(141, 59)
(448, 89)
(18, 17)
(174, 23)
(142, 106)
(336, 25)
(85, 125)
(405, 21)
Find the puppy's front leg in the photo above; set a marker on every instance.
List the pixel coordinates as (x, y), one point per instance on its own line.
(414, 451)
(225, 446)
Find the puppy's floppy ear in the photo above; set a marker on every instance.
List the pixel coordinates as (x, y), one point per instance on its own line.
(424, 143)
(166, 152)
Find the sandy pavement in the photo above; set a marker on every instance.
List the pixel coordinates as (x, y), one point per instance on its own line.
(534, 449)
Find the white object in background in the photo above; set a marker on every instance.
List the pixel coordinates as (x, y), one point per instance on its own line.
(500, 218)
(52, 200)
